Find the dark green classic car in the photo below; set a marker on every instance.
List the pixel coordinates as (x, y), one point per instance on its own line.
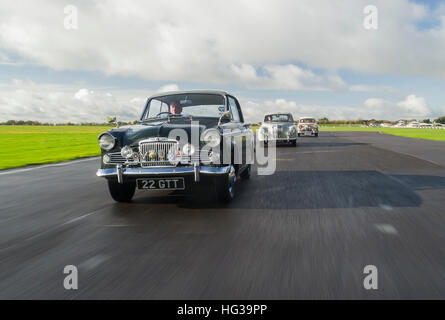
(185, 141)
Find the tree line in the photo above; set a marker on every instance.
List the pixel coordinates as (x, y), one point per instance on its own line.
(375, 121)
(321, 121)
(38, 123)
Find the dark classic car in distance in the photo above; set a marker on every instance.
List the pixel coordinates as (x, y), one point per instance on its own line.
(177, 145)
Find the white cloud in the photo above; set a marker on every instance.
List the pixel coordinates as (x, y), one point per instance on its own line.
(24, 100)
(227, 41)
(411, 107)
(83, 95)
(285, 77)
(168, 87)
(49, 103)
(415, 106)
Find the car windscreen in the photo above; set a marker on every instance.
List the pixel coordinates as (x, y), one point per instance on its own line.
(195, 105)
(277, 118)
(307, 120)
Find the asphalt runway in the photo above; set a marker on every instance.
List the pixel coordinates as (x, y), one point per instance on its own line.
(335, 204)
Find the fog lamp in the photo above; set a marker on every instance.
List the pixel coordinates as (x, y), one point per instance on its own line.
(106, 159)
(127, 152)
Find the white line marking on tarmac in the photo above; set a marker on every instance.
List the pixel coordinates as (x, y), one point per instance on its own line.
(50, 229)
(79, 218)
(386, 228)
(118, 225)
(324, 151)
(93, 262)
(47, 166)
(386, 207)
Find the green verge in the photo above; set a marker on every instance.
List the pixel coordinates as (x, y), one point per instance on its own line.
(417, 133)
(27, 145)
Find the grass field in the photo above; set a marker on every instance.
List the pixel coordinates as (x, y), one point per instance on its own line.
(417, 133)
(26, 145)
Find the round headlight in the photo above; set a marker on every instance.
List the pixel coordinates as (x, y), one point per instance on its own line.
(127, 152)
(211, 137)
(107, 142)
(188, 149)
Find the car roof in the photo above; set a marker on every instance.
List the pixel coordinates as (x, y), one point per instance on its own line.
(301, 118)
(272, 113)
(168, 93)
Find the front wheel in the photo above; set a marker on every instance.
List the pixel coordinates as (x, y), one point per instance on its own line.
(294, 143)
(246, 173)
(225, 187)
(121, 192)
(316, 134)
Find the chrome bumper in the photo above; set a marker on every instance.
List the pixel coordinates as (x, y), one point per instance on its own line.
(120, 172)
(277, 139)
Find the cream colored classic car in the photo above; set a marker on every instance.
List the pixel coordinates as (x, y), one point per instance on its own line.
(307, 126)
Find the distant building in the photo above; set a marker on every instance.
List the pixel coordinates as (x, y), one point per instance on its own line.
(413, 124)
(401, 123)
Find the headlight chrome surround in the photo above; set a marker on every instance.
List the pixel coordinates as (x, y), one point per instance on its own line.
(188, 149)
(107, 141)
(211, 137)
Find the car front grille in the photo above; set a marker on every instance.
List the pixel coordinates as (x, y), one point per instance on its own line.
(155, 153)
(116, 158)
(279, 132)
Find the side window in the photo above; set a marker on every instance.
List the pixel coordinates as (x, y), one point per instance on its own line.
(234, 109)
(155, 107)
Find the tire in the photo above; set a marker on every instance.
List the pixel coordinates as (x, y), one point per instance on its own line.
(294, 143)
(225, 187)
(299, 134)
(246, 173)
(316, 134)
(263, 144)
(121, 192)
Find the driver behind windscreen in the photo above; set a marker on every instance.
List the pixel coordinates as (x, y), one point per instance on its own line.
(175, 107)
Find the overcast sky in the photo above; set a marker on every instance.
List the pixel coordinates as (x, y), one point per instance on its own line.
(311, 58)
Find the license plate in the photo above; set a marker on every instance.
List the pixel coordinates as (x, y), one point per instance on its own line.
(161, 184)
(308, 133)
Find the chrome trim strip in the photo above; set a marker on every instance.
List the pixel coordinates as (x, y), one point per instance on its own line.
(205, 170)
(119, 173)
(196, 171)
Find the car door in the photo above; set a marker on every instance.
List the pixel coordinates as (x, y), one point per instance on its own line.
(238, 128)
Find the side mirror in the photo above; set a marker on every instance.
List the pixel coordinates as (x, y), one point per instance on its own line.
(113, 120)
(225, 117)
